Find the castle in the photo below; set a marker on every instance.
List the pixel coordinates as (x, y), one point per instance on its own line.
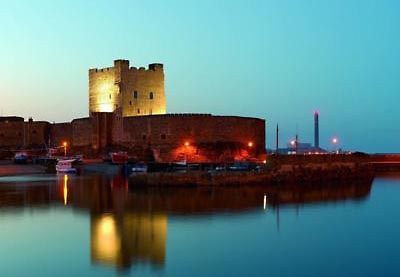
(127, 111)
(133, 91)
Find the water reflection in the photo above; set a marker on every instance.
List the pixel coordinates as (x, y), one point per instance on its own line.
(121, 241)
(128, 225)
(65, 189)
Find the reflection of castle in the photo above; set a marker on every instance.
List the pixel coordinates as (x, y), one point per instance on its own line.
(120, 241)
(129, 227)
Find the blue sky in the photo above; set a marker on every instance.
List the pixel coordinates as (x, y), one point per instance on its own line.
(278, 60)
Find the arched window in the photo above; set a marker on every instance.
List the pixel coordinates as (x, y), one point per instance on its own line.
(138, 111)
(135, 94)
(151, 96)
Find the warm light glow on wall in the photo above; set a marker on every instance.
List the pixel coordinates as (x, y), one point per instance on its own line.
(103, 95)
(106, 108)
(105, 88)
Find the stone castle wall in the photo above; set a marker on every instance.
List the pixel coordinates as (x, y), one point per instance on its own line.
(163, 137)
(60, 133)
(208, 137)
(16, 133)
(132, 91)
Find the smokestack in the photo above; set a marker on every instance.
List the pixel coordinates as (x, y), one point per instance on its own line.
(316, 129)
(277, 139)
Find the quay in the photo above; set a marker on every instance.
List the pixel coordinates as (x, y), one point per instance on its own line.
(279, 170)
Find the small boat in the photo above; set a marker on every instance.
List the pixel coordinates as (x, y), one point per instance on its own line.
(120, 157)
(139, 168)
(65, 166)
(21, 158)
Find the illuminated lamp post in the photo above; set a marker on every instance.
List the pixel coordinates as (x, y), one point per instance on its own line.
(250, 144)
(334, 141)
(65, 148)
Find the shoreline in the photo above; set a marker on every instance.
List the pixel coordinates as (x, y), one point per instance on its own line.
(303, 176)
(278, 171)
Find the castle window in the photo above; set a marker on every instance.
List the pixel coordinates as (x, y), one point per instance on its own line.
(151, 96)
(144, 137)
(135, 94)
(138, 111)
(34, 132)
(163, 136)
(130, 102)
(109, 96)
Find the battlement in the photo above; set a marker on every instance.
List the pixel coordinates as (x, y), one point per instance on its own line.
(11, 119)
(124, 64)
(175, 115)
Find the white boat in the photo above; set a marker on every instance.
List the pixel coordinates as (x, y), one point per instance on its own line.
(65, 166)
(139, 168)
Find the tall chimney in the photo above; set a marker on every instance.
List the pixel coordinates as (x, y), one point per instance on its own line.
(316, 129)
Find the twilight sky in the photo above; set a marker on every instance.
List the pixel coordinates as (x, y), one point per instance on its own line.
(279, 60)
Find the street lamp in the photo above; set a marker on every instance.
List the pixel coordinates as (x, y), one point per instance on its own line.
(187, 143)
(250, 144)
(335, 141)
(65, 148)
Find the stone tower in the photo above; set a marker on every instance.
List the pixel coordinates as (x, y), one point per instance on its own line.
(133, 91)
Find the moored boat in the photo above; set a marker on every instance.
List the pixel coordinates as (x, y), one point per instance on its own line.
(65, 166)
(139, 168)
(120, 157)
(21, 157)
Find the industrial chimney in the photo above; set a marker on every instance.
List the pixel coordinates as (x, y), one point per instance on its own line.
(316, 129)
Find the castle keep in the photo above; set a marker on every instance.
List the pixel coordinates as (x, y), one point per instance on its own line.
(130, 90)
(128, 112)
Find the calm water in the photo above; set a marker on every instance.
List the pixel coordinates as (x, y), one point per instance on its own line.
(94, 226)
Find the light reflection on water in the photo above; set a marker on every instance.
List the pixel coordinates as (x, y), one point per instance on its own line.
(101, 226)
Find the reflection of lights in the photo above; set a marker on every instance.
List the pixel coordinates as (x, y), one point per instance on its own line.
(250, 144)
(65, 189)
(107, 226)
(106, 241)
(265, 201)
